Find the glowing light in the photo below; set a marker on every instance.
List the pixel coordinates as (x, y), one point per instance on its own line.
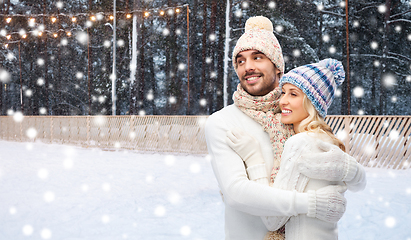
(74, 19)
(55, 35)
(53, 19)
(93, 18)
(128, 15)
(146, 14)
(8, 20)
(40, 34)
(8, 37)
(382, 8)
(24, 36)
(162, 13)
(374, 45)
(271, 5)
(111, 17)
(68, 34)
(177, 10)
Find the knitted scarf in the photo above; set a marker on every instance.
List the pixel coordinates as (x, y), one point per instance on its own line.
(266, 111)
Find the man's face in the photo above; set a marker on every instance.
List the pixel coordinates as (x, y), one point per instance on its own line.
(258, 75)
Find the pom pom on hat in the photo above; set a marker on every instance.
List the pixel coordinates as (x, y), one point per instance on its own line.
(259, 36)
(336, 68)
(318, 81)
(259, 22)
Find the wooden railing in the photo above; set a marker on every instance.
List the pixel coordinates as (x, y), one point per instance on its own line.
(375, 141)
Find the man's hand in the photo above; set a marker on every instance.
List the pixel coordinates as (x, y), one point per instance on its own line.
(246, 146)
(331, 164)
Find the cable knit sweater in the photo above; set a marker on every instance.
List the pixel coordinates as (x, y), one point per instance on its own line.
(246, 201)
(302, 227)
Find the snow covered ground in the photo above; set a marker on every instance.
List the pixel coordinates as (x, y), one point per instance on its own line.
(50, 191)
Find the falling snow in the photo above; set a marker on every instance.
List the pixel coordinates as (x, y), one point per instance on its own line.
(130, 195)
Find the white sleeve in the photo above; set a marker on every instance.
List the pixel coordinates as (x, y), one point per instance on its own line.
(359, 181)
(239, 192)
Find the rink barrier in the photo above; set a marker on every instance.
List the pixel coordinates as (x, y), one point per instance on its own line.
(375, 141)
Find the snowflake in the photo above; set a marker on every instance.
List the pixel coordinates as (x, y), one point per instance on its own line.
(203, 102)
(166, 32)
(360, 112)
(169, 160)
(174, 198)
(296, 53)
(10, 56)
(394, 135)
(408, 78)
(185, 230)
(338, 93)
(398, 28)
(101, 99)
(3, 32)
(332, 50)
(394, 99)
(374, 45)
(59, 4)
(279, 28)
(208, 60)
(356, 23)
(271, 5)
(49, 196)
(172, 100)
(40, 61)
(4, 76)
(43, 173)
(245, 5)
(31, 133)
(12, 210)
(178, 31)
(382, 8)
(238, 13)
(18, 116)
(142, 112)
(390, 222)
(195, 168)
(181, 66)
(120, 43)
(358, 92)
(106, 187)
(105, 219)
(107, 43)
(28, 93)
(68, 163)
(377, 63)
(82, 37)
(342, 4)
(43, 110)
(212, 37)
(409, 37)
(27, 230)
(389, 80)
(160, 211)
(149, 178)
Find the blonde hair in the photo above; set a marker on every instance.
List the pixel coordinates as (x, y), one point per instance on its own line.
(316, 124)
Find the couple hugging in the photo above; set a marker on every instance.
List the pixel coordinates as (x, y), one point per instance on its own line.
(281, 170)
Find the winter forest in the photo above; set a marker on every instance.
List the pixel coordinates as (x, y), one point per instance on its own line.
(173, 57)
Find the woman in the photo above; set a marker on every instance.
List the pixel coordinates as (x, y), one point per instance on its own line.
(307, 92)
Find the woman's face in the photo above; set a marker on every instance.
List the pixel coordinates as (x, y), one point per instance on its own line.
(292, 106)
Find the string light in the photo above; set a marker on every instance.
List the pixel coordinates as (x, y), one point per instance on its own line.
(75, 18)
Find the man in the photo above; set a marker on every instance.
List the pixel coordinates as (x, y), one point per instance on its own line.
(258, 61)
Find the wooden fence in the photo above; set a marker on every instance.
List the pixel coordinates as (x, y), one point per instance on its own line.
(375, 141)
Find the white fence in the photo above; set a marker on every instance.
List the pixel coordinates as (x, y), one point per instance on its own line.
(376, 141)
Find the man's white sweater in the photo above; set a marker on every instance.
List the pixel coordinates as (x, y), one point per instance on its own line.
(246, 201)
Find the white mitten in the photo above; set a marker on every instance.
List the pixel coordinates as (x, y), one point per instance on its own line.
(327, 203)
(332, 164)
(246, 146)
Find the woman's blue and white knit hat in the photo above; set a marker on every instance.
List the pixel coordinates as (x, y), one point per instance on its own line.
(318, 81)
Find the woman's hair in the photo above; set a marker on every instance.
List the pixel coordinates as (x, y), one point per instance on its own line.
(315, 123)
